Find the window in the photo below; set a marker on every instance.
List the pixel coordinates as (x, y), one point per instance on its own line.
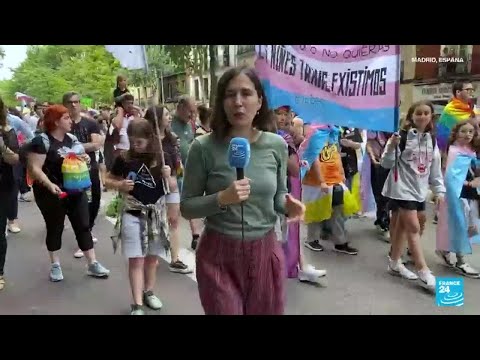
(197, 89)
(205, 88)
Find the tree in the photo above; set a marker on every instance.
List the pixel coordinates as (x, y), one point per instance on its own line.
(158, 63)
(51, 70)
(193, 58)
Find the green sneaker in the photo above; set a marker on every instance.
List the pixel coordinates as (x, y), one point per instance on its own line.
(137, 310)
(151, 300)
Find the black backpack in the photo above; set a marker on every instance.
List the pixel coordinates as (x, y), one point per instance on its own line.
(403, 140)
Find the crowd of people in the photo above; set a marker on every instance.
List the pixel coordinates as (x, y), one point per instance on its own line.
(164, 167)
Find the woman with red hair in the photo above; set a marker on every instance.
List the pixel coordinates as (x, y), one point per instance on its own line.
(45, 164)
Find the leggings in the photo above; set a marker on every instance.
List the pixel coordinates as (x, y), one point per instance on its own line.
(53, 209)
(240, 279)
(94, 205)
(11, 199)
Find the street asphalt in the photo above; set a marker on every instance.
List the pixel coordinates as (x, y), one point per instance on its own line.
(357, 285)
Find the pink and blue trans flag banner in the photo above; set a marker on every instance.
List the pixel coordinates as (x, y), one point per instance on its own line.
(346, 85)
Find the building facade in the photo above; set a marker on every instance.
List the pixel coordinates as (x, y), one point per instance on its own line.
(432, 80)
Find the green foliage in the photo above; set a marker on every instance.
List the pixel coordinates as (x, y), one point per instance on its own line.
(7, 93)
(194, 59)
(189, 58)
(51, 70)
(158, 62)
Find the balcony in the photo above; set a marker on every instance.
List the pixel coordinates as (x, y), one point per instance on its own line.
(455, 70)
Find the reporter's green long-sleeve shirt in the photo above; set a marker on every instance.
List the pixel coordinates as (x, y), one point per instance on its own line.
(207, 172)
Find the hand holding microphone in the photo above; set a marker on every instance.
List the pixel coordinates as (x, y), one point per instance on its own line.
(236, 193)
(238, 158)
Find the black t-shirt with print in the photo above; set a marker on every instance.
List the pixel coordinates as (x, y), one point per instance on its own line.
(148, 188)
(53, 161)
(7, 178)
(83, 130)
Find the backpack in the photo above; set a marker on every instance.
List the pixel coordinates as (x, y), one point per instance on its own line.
(24, 149)
(403, 141)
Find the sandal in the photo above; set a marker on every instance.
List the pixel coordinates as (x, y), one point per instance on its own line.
(2, 282)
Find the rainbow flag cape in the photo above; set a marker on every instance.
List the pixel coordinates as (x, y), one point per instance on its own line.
(452, 228)
(455, 112)
(319, 204)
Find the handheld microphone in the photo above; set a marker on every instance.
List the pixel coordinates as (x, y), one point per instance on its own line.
(239, 155)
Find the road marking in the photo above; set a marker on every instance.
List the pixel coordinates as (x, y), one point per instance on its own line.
(187, 256)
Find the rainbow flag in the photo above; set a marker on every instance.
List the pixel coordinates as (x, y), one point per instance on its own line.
(455, 112)
(76, 177)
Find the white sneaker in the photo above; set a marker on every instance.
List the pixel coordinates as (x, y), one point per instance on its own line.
(427, 279)
(310, 274)
(447, 257)
(398, 269)
(78, 254)
(13, 228)
(466, 270)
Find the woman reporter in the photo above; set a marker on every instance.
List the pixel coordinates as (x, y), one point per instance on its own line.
(239, 276)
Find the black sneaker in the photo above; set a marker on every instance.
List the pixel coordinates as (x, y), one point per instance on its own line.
(314, 245)
(346, 249)
(179, 267)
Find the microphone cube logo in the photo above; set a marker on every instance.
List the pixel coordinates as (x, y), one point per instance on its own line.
(238, 150)
(449, 292)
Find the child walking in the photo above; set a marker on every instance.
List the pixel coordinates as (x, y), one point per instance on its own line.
(457, 215)
(418, 166)
(142, 227)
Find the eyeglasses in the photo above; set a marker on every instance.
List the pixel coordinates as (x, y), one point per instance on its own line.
(471, 90)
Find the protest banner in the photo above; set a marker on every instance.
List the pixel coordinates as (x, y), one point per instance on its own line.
(346, 85)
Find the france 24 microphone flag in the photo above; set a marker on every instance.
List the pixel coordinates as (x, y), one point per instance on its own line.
(239, 155)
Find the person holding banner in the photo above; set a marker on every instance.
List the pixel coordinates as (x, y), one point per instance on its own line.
(417, 168)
